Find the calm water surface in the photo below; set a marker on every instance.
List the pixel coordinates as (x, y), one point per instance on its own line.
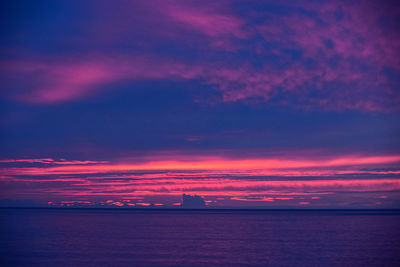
(45, 237)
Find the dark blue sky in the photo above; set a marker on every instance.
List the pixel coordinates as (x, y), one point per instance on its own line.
(147, 81)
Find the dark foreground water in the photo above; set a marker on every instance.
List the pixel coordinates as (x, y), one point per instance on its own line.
(45, 237)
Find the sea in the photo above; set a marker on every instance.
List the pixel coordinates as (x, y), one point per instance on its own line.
(129, 237)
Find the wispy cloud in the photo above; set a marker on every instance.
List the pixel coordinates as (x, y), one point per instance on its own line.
(57, 82)
(249, 180)
(52, 161)
(329, 55)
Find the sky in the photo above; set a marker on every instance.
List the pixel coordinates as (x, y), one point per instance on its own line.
(276, 104)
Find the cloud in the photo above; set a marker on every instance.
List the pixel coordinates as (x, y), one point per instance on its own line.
(249, 180)
(57, 82)
(192, 202)
(52, 161)
(207, 19)
(343, 54)
(327, 55)
(208, 163)
(213, 20)
(44, 160)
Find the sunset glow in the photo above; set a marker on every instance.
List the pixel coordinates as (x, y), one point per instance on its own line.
(244, 103)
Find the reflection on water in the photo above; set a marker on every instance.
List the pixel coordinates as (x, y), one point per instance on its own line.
(136, 238)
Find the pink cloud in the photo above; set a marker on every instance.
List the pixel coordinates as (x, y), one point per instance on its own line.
(251, 180)
(359, 90)
(239, 189)
(210, 163)
(349, 55)
(220, 186)
(143, 204)
(355, 33)
(284, 198)
(117, 203)
(270, 199)
(353, 50)
(65, 81)
(206, 20)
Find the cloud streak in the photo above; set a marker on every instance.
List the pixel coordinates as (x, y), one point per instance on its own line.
(57, 82)
(256, 181)
(211, 163)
